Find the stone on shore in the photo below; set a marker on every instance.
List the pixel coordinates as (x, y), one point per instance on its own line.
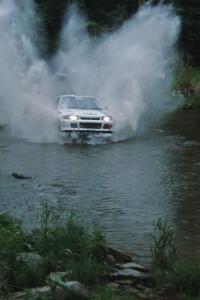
(110, 259)
(33, 294)
(133, 265)
(57, 278)
(30, 258)
(119, 255)
(130, 274)
(71, 290)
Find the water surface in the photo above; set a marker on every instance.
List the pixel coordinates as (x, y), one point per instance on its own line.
(122, 187)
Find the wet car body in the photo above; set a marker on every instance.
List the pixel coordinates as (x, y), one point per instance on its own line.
(83, 115)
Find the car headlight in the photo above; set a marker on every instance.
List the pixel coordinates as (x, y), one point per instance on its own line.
(106, 118)
(71, 117)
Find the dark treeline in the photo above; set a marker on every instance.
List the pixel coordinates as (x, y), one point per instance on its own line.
(106, 15)
(189, 41)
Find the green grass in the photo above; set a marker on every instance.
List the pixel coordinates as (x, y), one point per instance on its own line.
(62, 244)
(106, 293)
(163, 249)
(12, 239)
(186, 279)
(182, 278)
(192, 102)
(66, 244)
(187, 82)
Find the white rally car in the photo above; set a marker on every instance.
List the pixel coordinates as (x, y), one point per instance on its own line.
(83, 114)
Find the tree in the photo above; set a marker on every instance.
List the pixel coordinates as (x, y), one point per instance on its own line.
(51, 14)
(107, 15)
(190, 34)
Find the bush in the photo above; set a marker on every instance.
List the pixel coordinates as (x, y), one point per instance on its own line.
(12, 239)
(87, 269)
(69, 244)
(163, 249)
(186, 279)
(182, 278)
(29, 276)
(106, 293)
(187, 80)
(62, 245)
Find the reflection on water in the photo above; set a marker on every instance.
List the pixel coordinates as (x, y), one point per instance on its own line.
(121, 187)
(185, 172)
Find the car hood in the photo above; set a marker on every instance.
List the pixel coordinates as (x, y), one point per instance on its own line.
(83, 112)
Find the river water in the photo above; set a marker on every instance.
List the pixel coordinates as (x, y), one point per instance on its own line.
(122, 187)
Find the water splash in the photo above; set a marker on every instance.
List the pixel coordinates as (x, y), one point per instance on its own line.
(25, 86)
(129, 71)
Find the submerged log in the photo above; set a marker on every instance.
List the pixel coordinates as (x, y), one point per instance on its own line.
(20, 176)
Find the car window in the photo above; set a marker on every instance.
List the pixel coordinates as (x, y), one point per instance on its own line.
(79, 103)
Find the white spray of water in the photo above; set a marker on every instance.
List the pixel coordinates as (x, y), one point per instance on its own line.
(129, 71)
(25, 85)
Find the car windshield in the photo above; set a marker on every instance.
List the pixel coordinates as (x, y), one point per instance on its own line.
(79, 103)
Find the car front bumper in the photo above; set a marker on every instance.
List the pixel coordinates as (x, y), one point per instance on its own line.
(86, 126)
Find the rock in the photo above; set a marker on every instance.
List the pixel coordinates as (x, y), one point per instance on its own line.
(30, 258)
(147, 294)
(142, 296)
(58, 275)
(39, 293)
(60, 294)
(131, 274)
(133, 266)
(71, 290)
(20, 176)
(125, 282)
(141, 287)
(18, 296)
(3, 284)
(110, 259)
(57, 278)
(119, 255)
(138, 294)
(132, 291)
(33, 294)
(113, 285)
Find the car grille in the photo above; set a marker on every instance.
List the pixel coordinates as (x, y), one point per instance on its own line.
(90, 125)
(90, 118)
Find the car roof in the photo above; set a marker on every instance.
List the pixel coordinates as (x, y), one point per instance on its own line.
(77, 96)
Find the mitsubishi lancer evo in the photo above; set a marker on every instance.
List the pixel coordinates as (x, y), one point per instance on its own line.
(84, 115)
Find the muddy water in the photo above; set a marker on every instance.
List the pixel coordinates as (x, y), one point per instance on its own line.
(122, 187)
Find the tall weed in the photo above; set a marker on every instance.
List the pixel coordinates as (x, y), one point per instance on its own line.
(163, 249)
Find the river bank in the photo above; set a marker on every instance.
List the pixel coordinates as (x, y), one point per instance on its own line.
(63, 259)
(187, 83)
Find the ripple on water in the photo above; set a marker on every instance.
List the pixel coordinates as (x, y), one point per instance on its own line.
(121, 187)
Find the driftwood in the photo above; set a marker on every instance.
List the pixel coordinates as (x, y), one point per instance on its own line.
(20, 176)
